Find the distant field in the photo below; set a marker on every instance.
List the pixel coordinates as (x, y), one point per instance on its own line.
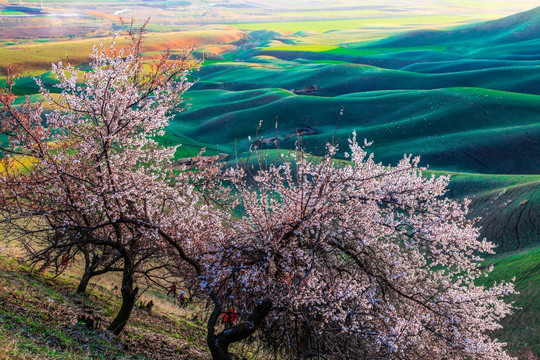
(392, 23)
(11, 12)
(36, 57)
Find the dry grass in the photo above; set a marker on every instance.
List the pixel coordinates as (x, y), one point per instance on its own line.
(39, 318)
(37, 57)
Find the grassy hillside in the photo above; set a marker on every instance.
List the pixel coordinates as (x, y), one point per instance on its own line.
(522, 329)
(40, 317)
(508, 206)
(339, 79)
(452, 128)
(511, 29)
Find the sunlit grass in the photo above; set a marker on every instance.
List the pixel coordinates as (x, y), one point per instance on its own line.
(339, 50)
(16, 164)
(37, 57)
(387, 22)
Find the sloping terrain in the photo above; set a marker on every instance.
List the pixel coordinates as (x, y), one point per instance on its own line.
(451, 128)
(509, 30)
(465, 99)
(522, 329)
(507, 206)
(40, 318)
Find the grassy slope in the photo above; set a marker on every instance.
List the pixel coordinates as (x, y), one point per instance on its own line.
(340, 79)
(38, 320)
(38, 316)
(511, 29)
(508, 206)
(522, 329)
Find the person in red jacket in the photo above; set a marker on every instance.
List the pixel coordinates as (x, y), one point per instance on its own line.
(229, 317)
(65, 260)
(172, 290)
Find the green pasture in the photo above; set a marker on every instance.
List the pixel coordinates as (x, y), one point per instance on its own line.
(522, 329)
(341, 78)
(394, 23)
(11, 12)
(452, 128)
(341, 50)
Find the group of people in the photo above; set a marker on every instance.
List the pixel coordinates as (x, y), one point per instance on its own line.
(182, 297)
(228, 317)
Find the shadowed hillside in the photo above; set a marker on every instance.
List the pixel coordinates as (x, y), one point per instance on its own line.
(508, 205)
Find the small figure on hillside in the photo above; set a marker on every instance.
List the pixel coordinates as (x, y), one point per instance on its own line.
(182, 298)
(65, 260)
(229, 318)
(172, 290)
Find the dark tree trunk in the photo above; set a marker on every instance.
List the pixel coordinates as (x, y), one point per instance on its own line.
(218, 353)
(129, 295)
(219, 344)
(83, 284)
(88, 273)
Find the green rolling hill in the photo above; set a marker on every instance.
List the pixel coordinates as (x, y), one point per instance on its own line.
(509, 30)
(465, 99)
(340, 79)
(451, 128)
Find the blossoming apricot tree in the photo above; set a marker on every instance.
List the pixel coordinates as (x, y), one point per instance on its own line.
(354, 260)
(89, 173)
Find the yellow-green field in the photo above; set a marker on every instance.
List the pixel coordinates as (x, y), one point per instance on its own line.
(392, 23)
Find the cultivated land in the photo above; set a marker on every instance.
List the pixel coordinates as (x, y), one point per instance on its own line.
(464, 95)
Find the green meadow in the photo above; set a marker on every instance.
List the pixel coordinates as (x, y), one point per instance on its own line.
(347, 24)
(465, 99)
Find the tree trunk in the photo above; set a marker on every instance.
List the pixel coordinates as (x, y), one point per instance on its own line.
(129, 295)
(219, 344)
(88, 270)
(83, 284)
(217, 351)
